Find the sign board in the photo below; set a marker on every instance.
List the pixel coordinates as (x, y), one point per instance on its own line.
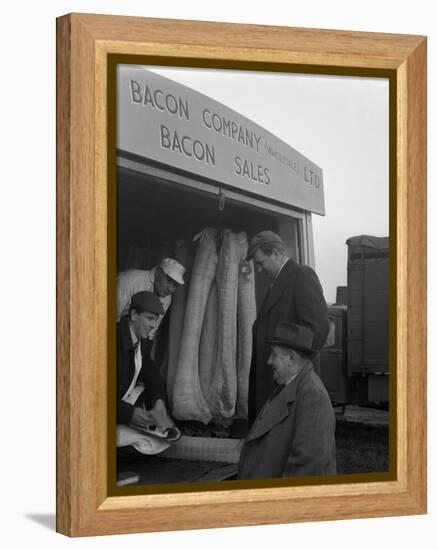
(164, 121)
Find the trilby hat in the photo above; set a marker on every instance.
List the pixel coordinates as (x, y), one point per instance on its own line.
(293, 336)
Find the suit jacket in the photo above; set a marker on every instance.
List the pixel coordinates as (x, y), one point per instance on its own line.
(296, 297)
(294, 433)
(149, 374)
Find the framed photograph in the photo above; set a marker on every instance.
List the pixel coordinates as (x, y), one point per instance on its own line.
(241, 275)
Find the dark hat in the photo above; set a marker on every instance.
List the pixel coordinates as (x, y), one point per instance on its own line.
(264, 237)
(147, 301)
(293, 336)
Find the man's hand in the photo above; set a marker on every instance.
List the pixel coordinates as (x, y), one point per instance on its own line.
(141, 418)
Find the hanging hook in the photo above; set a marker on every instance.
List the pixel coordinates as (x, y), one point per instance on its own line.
(222, 198)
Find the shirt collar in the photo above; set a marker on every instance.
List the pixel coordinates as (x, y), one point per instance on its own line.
(291, 378)
(133, 336)
(281, 267)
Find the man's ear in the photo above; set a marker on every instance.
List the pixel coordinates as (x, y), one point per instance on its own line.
(133, 314)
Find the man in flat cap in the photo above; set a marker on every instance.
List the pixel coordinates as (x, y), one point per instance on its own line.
(140, 389)
(296, 296)
(294, 433)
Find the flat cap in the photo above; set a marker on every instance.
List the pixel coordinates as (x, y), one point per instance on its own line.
(173, 269)
(147, 301)
(264, 237)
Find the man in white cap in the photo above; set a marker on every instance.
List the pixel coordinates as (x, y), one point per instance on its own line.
(162, 280)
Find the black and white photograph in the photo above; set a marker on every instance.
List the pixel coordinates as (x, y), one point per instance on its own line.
(166, 369)
(252, 276)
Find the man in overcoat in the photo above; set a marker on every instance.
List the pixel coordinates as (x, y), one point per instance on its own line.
(296, 296)
(294, 433)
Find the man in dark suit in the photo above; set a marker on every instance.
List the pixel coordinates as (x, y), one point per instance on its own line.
(294, 433)
(140, 389)
(296, 296)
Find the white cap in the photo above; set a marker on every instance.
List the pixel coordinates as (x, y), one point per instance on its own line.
(173, 269)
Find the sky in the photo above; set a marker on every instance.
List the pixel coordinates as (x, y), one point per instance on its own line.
(339, 123)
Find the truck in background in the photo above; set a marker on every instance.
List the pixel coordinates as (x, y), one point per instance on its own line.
(355, 357)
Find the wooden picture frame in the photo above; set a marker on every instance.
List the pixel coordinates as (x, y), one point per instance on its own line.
(84, 44)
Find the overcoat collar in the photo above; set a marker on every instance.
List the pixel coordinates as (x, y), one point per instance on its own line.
(279, 285)
(276, 408)
(126, 338)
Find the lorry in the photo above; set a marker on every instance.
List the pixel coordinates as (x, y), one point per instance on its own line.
(355, 357)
